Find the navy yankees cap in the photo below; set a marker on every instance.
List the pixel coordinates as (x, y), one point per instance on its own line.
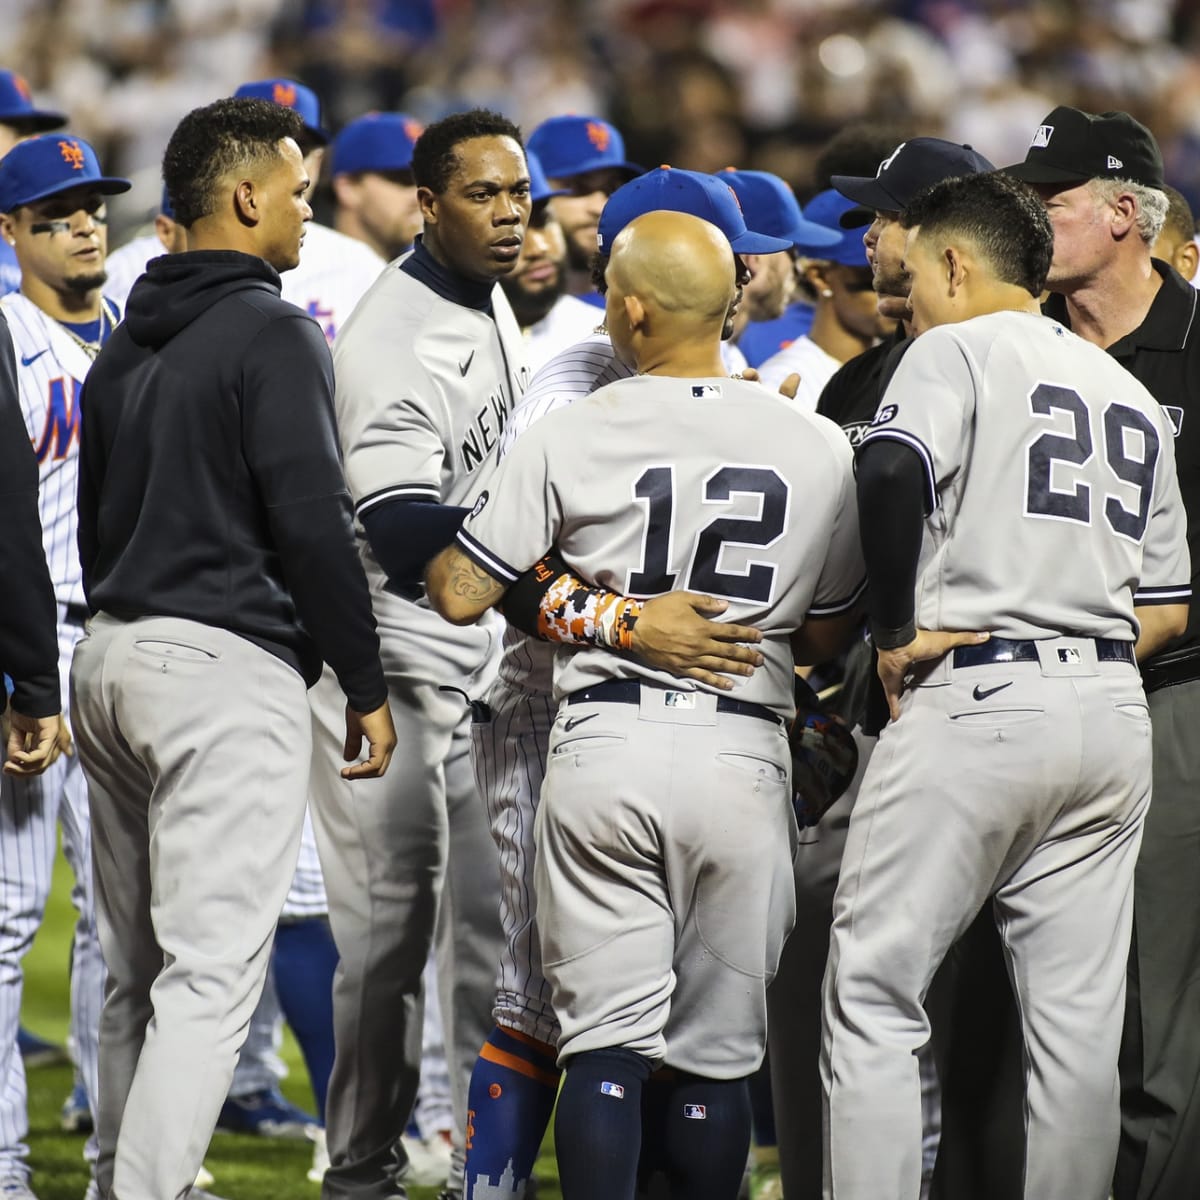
(43, 166)
(16, 106)
(290, 94)
(825, 211)
(706, 196)
(573, 145)
(905, 173)
(1072, 147)
(771, 207)
(380, 141)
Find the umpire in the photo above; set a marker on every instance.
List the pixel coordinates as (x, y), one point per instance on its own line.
(219, 563)
(1101, 177)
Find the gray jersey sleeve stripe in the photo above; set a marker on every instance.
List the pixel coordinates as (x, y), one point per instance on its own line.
(840, 606)
(1177, 594)
(402, 491)
(482, 556)
(898, 435)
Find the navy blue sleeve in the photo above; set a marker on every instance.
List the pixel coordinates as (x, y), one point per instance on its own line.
(405, 534)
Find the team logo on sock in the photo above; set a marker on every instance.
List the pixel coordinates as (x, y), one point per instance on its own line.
(695, 1112)
(615, 1090)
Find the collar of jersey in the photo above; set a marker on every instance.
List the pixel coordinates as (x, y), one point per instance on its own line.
(1166, 326)
(421, 265)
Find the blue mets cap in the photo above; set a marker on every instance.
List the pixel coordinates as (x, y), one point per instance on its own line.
(290, 94)
(165, 206)
(380, 141)
(16, 106)
(572, 145)
(706, 196)
(50, 163)
(539, 185)
(825, 211)
(770, 206)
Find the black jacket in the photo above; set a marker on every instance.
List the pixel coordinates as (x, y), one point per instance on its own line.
(28, 612)
(210, 481)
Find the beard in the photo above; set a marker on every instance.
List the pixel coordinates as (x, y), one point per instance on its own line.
(86, 283)
(531, 307)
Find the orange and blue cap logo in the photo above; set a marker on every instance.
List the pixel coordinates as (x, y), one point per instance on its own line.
(285, 94)
(413, 129)
(72, 154)
(598, 135)
(22, 87)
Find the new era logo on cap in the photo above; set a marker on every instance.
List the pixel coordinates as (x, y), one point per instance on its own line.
(1041, 139)
(1114, 164)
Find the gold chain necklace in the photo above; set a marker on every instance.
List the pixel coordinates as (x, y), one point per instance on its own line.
(92, 349)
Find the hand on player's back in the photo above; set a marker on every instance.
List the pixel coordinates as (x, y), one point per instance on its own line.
(376, 726)
(32, 743)
(673, 633)
(926, 646)
(789, 387)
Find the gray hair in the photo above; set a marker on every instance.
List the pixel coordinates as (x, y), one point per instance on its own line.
(1152, 203)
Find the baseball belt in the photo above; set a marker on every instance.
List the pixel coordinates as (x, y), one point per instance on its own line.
(1008, 650)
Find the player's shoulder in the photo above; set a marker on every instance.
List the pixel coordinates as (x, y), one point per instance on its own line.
(574, 370)
(332, 246)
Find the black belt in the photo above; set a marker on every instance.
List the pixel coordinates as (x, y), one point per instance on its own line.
(76, 614)
(629, 691)
(1007, 650)
(1183, 666)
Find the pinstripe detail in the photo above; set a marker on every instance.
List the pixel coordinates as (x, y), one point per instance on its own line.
(915, 443)
(513, 1063)
(480, 554)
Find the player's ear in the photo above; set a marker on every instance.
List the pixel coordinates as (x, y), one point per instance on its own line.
(635, 312)
(955, 269)
(427, 199)
(814, 277)
(246, 202)
(6, 229)
(1124, 214)
(1186, 259)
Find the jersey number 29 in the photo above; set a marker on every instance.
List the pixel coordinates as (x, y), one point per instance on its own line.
(1075, 503)
(655, 490)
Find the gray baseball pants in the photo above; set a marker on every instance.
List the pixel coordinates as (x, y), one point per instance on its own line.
(196, 747)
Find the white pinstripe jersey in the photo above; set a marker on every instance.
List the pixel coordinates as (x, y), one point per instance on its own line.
(568, 322)
(709, 485)
(1050, 470)
(51, 368)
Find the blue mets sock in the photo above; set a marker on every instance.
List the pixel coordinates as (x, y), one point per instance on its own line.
(707, 1137)
(598, 1127)
(305, 959)
(513, 1086)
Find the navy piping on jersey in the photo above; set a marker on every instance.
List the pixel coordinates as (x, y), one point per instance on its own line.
(421, 265)
(397, 491)
(1179, 593)
(483, 557)
(839, 606)
(907, 439)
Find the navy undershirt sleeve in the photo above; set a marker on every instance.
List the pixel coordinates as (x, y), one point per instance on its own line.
(405, 534)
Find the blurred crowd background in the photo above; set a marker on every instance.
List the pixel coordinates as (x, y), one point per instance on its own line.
(696, 83)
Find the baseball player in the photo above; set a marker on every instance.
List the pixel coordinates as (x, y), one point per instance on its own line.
(846, 319)
(1176, 244)
(52, 197)
(211, 619)
(126, 264)
(428, 369)
(584, 157)
(550, 319)
(19, 119)
(371, 166)
(660, 925)
(1101, 177)
(515, 1079)
(1016, 767)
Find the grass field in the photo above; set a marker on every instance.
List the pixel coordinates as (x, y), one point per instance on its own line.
(245, 1168)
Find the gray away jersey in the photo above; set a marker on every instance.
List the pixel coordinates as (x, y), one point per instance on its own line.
(655, 484)
(1051, 476)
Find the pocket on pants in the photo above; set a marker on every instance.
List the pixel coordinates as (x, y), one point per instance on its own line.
(174, 650)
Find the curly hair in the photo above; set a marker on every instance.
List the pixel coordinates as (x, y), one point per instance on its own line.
(1004, 219)
(213, 141)
(434, 157)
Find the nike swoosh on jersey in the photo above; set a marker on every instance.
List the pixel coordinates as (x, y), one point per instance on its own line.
(571, 722)
(464, 367)
(983, 693)
(29, 360)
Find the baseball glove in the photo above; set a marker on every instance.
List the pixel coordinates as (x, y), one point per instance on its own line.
(824, 757)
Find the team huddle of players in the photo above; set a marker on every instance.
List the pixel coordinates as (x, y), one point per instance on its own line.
(536, 404)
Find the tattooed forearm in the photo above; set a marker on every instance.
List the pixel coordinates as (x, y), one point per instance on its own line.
(460, 589)
(472, 583)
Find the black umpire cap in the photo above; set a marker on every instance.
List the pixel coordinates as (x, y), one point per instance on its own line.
(1071, 147)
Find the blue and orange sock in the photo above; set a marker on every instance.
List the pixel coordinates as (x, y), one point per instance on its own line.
(305, 959)
(598, 1127)
(513, 1087)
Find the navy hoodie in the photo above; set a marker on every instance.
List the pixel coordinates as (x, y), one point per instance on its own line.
(210, 480)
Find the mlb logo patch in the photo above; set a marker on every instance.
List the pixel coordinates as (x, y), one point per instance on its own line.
(1114, 164)
(707, 391)
(1041, 139)
(695, 1112)
(615, 1090)
(679, 700)
(1069, 655)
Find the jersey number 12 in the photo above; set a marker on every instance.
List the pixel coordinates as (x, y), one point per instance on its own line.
(655, 490)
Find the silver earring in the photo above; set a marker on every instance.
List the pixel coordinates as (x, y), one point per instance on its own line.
(826, 292)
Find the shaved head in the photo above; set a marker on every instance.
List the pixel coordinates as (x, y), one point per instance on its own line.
(675, 263)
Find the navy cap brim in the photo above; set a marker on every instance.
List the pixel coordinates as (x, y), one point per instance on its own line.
(39, 121)
(759, 243)
(867, 192)
(857, 217)
(106, 185)
(1041, 172)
